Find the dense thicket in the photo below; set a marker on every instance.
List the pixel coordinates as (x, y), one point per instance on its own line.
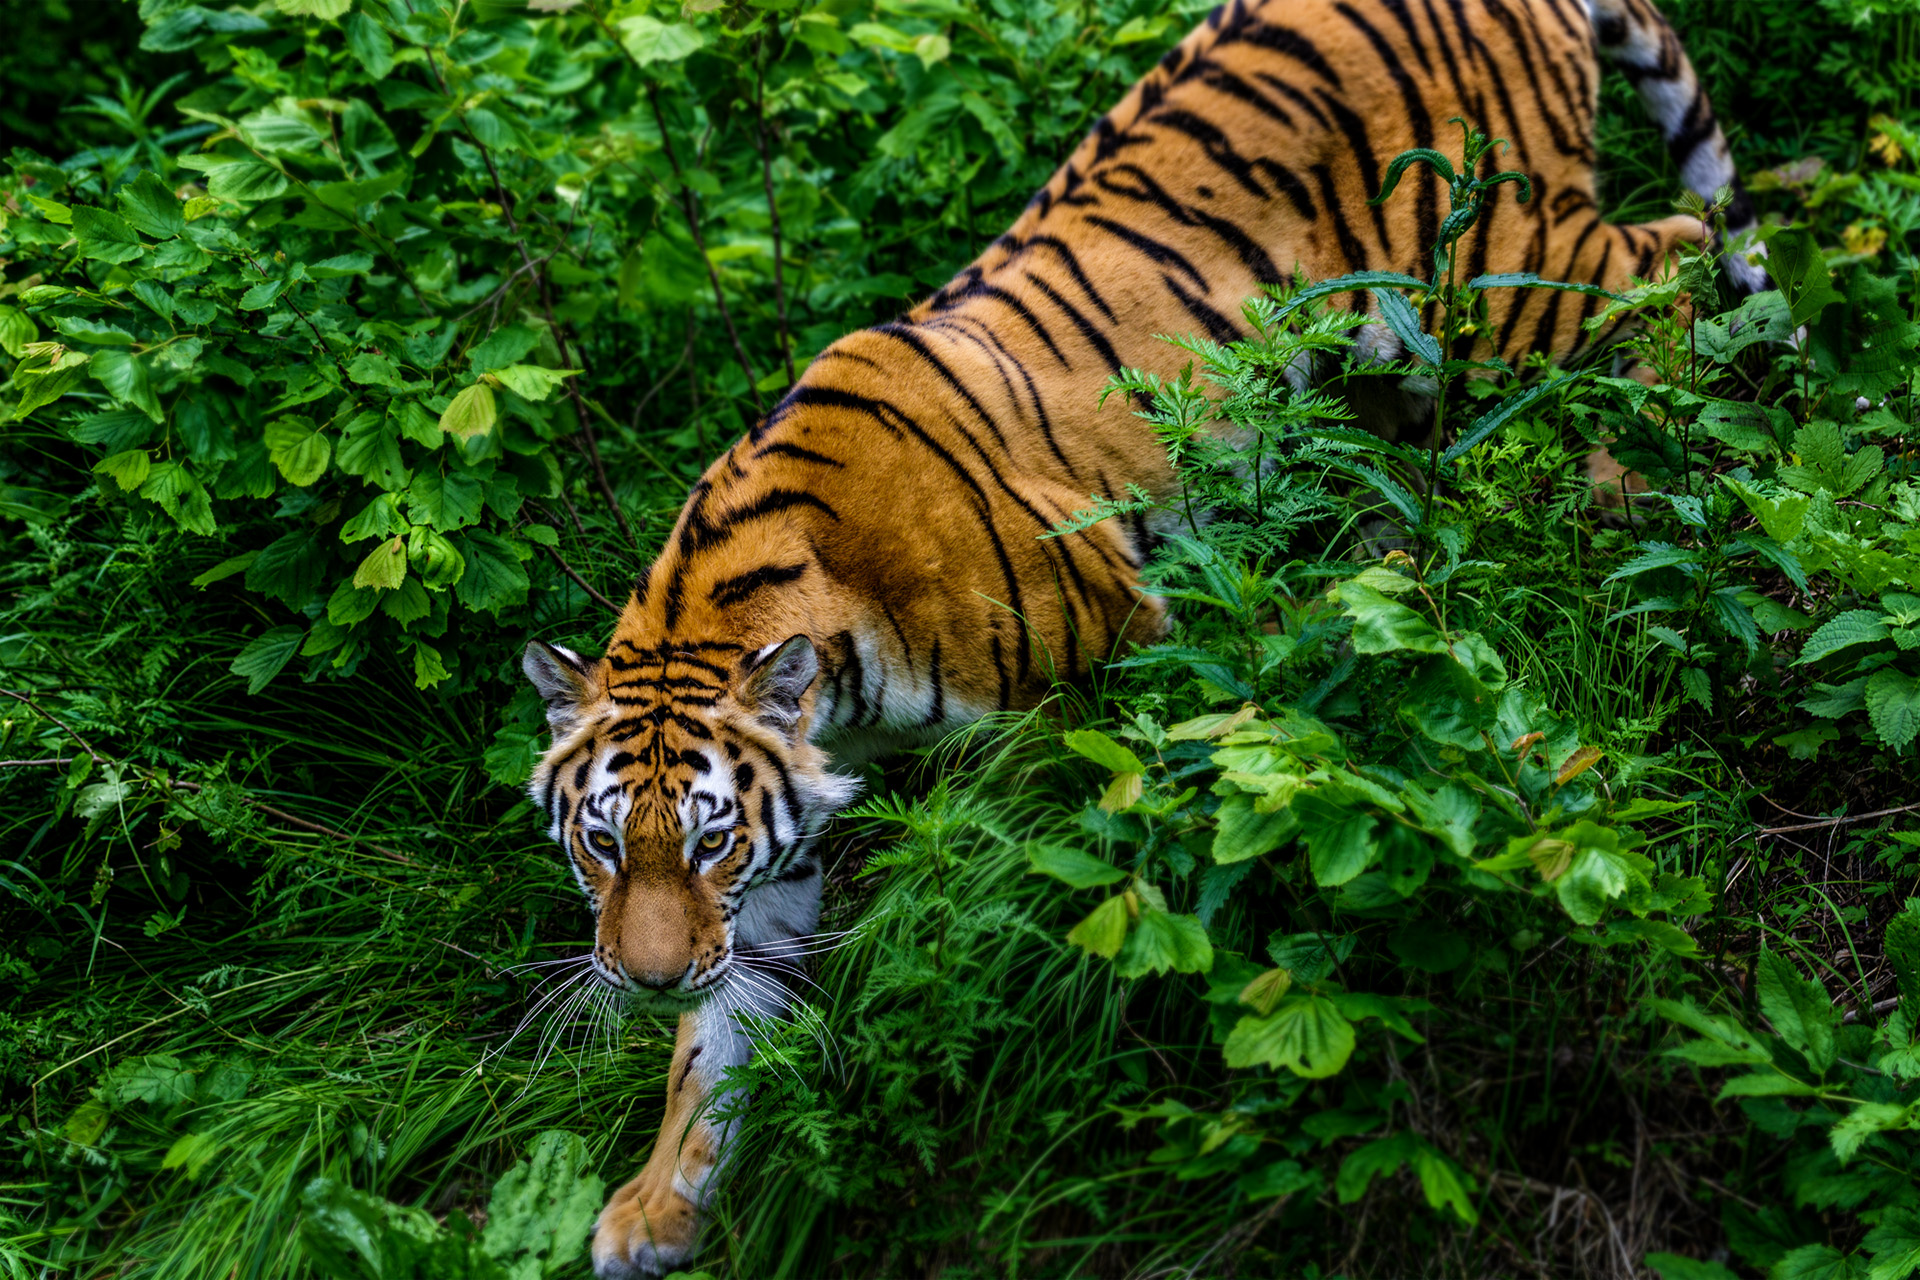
(1475, 886)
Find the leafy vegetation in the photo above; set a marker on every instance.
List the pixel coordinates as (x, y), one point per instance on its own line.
(1481, 881)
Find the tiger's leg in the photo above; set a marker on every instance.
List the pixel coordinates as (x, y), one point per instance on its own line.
(652, 1225)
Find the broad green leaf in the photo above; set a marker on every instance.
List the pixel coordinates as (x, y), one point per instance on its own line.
(225, 569)
(124, 375)
(1383, 1156)
(1670, 1266)
(385, 567)
(1818, 1262)
(1310, 957)
(649, 40)
(1405, 323)
(542, 1208)
(1381, 625)
(1244, 832)
(1894, 1245)
(370, 370)
(281, 128)
(1502, 413)
(531, 381)
(1104, 929)
(329, 10)
(493, 579)
(1764, 1084)
(471, 413)
(149, 206)
(42, 386)
(181, 496)
(1796, 264)
(1599, 874)
(1077, 868)
(191, 1152)
(1102, 750)
(446, 501)
(1307, 1035)
(1655, 555)
(1163, 940)
(266, 656)
(1863, 1122)
(370, 44)
(129, 470)
(1856, 626)
(1339, 843)
(247, 181)
(16, 331)
(1893, 706)
(1799, 1009)
(298, 449)
(105, 237)
(369, 447)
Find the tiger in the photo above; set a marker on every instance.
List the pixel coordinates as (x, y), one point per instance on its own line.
(863, 571)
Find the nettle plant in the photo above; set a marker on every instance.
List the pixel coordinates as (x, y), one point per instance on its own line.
(1422, 813)
(1788, 488)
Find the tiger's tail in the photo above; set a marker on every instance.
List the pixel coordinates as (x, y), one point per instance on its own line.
(1635, 37)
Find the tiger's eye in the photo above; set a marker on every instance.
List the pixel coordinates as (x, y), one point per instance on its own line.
(601, 841)
(712, 841)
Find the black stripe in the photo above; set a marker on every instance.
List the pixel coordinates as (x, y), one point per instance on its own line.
(785, 450)
(731, 591)
(1154, 250)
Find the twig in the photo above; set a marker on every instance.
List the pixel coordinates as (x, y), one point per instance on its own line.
(584, 585)
(773, 209)
(688, 207)
(51, 760)
(1838, 822)
(87, 746)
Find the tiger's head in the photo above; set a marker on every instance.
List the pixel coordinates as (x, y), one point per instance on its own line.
(686, 797)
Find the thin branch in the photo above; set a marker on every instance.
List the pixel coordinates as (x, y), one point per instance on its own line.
(760, 142)
(85, 745)
(1838, 822)
(582, 582)
(689, 208)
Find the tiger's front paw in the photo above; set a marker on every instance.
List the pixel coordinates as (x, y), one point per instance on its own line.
(644, 1231)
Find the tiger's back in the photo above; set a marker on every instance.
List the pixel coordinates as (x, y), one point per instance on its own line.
(866, 568)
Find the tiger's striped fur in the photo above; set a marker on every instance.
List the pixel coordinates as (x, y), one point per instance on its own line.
(864, 570)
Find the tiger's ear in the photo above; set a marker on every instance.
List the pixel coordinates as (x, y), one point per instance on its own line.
(777, 677)
(562, 677)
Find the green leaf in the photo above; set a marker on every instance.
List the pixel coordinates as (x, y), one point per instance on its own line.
(266, 656)
(445, 501)
(531, 381)
(1670, 1266)
(1796, 264)
(124, 375)
(1902, 947)
(1501, 414)
(1309, 957)
(129, 470)
(1856, 626)
(1655, 555)
(542, 1208)
(1162, 940)
(298, 449)
(181, 496)
(1307, 1035)
(105, 237)
(471, 413)
(1599, 873)
(1799, 1009)
(1104, 929)
(1244, 832)
(370, 447)
(1894, 1245)
(370, 370)
(1339, 842)
(370, 44)
(1764, 1084)
(225, 569)
(385, 567)
(1381, 625)
(1818, 1262)
(493, 579)
(650, 40)
(1863, 1122)
(1405, 323)
(1079, 869)
(149, 206)
(247, 181)
(1102, 750)
(329, 10)
(1893, 705)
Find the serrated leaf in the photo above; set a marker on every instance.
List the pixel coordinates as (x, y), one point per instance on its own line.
(1655, 555)
(128, 470)
(1073, 866)
(1103, 750)
(266, 656)
(1855, 626)
(1307, 1034)
(1893, 706)
(104, 236)
(124, 375)
(1163, 940)
(1798, 1007)
(149, 206)
(1894, 1245)
(181, 496)
(471, 413)
(1381, 625)
(1104, 929)
(1405, 323)
(385, 567)
(543, 1207)
(649, 40)
(298, 449)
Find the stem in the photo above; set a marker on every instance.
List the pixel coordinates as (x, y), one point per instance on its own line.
(773, 209)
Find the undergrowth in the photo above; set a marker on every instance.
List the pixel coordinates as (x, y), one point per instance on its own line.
(1480, 881)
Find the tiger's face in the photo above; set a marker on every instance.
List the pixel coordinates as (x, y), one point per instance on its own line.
(686, 798)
